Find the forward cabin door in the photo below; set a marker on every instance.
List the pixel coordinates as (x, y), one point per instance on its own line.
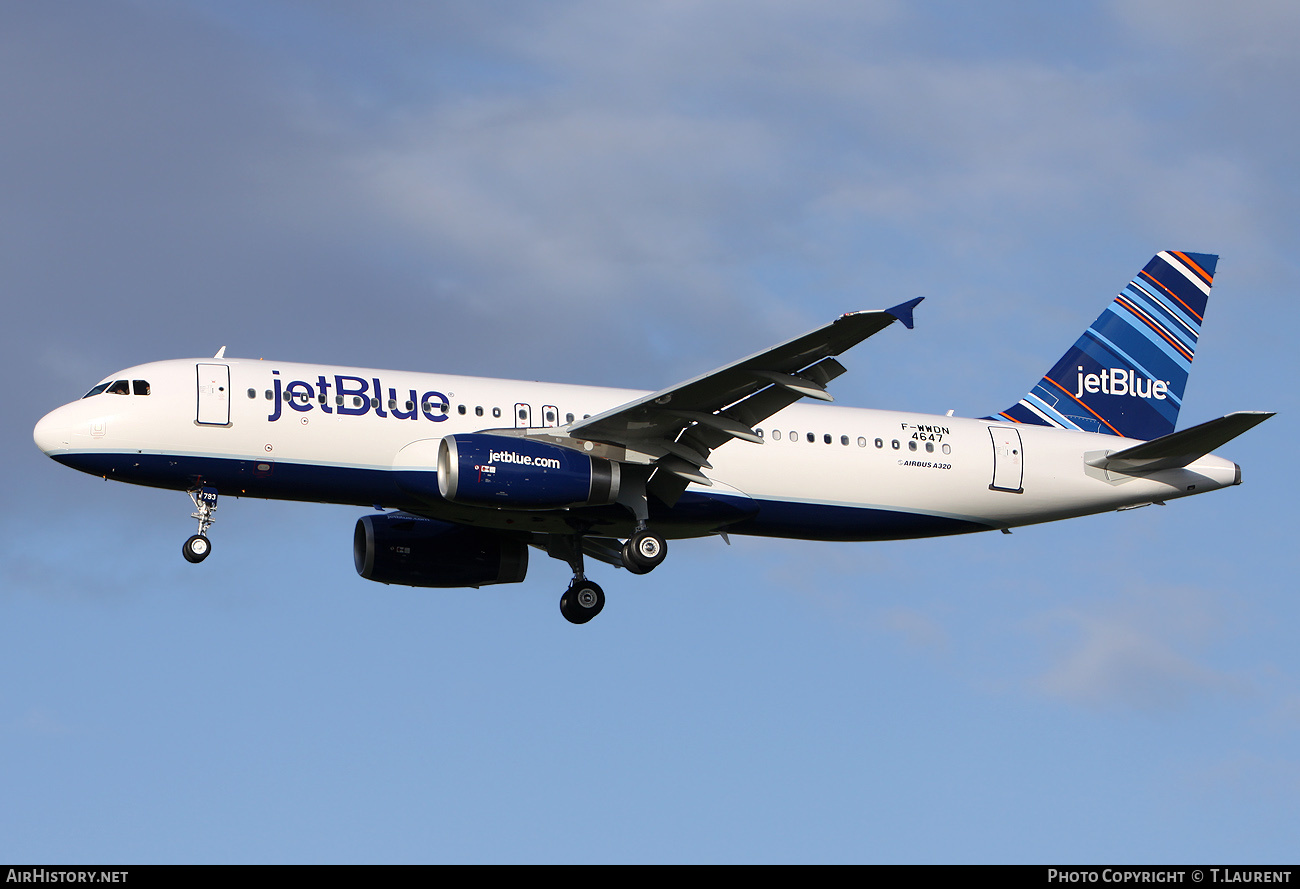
(214, 395)
(1008, 460)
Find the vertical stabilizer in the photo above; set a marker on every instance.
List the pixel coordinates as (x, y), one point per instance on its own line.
(1126, 374)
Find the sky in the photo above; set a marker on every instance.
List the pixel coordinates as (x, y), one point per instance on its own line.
(629, 195)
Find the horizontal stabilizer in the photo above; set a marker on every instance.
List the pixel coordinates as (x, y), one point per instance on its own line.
(1180, 448)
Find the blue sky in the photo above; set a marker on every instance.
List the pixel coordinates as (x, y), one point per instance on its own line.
(630, 195)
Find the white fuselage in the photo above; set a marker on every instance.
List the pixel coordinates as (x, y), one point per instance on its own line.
(822, 472)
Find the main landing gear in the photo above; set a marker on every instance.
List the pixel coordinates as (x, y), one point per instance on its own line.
(644, 552)
(583, 600)
(196, 549)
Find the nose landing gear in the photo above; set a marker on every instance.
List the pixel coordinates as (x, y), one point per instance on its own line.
(196, 549)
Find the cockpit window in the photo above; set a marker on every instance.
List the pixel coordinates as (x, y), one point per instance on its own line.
(120, 387)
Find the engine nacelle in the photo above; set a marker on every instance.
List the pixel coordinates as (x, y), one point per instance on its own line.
(501, 470)
(413, 551)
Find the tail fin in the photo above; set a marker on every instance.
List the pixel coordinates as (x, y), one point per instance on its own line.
(1126, 374)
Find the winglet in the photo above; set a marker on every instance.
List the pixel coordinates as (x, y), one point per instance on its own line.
(903, 311)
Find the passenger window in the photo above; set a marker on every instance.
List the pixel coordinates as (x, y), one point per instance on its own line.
(929, 447)
(911, 445)
(776, 435)
(894, 444)
(392, 404)
(947, 449)
(811, 438)
(879, 443)
(270, 396)
(356, 401)
(141, 387)
(252, 393)
(568, 418)
(478, 411)
(827, 438)
(338, 399)
(794, 436)
(374, 402)
(844, 440)
(496, 412)
(460, 409)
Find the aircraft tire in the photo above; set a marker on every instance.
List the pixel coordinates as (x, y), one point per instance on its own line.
(196, 549)
(646, 551)
(630, 562)
(582, 601)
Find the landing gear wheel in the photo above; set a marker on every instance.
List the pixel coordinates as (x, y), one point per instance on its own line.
(196, 549)
(644, 552)
(581, 601)
(630, 562)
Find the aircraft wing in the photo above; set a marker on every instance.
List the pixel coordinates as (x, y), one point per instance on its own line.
(679, 426)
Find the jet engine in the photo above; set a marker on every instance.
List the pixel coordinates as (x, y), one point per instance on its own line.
(414, 551)
(502, 470)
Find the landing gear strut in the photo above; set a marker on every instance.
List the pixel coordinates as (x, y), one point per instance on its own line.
(583, 599)
(196, 549)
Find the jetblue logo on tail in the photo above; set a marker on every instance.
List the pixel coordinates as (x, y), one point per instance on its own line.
(1118, 381)
(1130, 366)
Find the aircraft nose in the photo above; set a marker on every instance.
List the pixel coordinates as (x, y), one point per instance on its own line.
(52, 433)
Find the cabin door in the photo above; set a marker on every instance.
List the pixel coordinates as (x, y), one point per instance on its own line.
(214, 395)
(1008, 460)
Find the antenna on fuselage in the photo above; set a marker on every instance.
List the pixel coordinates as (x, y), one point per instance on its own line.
(221, 353)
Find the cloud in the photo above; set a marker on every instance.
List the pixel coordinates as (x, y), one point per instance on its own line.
(1145, 650)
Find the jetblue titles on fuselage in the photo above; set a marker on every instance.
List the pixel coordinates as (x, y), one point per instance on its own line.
(355, 396)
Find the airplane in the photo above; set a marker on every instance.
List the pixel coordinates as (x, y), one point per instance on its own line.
(468, 473)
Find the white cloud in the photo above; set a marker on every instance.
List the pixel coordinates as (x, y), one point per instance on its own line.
(1146, 650)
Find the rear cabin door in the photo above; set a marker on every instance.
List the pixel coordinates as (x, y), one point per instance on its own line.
(214, 395)
(1008, 460)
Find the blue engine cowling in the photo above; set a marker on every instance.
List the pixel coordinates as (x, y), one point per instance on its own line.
(501, 470)
(414, 551)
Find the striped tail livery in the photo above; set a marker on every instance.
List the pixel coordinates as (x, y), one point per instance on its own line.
(1126, 374)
